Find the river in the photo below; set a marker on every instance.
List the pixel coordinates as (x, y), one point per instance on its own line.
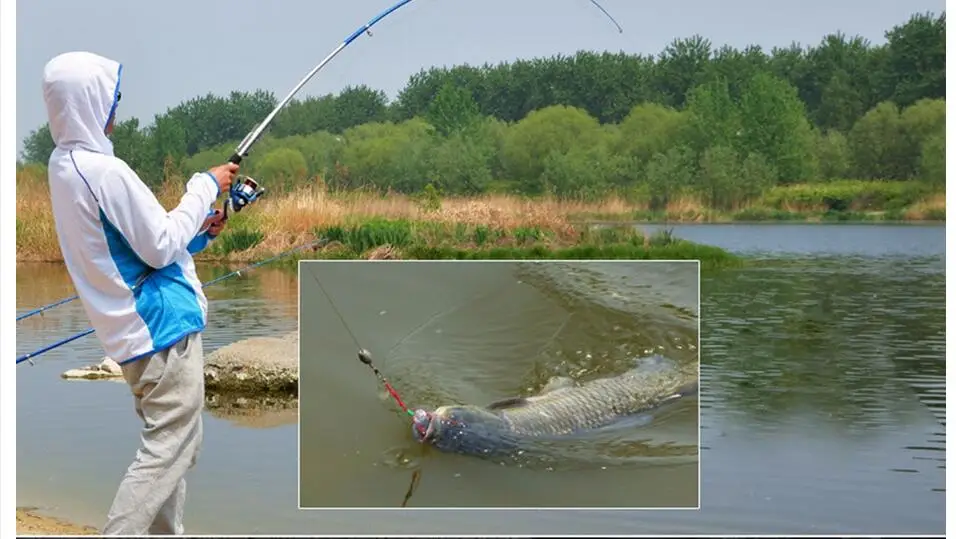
(477, 332)
(822, 401)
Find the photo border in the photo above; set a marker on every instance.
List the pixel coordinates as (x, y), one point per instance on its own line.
(8, 248)
(299, 271)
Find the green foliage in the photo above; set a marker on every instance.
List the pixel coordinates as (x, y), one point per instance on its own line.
(932, 163)
(452, 110)
(370, 234)
(722, 123)
(556, 129)
(667, 174)
(385, 156)
(441, 241)
(832, 155)
(718, 176)
(774, 124)
(876, 142)
(242, 233)
(430, 199)
(845, 195)
(285, 168)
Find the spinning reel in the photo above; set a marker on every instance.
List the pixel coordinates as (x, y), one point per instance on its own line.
(244, 192)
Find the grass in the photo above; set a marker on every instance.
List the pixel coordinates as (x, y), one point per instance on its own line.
(842, 200)
(495, 225)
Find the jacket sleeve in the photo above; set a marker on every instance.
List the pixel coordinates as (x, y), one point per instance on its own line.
(155, 235)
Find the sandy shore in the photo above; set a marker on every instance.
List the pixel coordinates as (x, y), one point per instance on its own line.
(31, 522)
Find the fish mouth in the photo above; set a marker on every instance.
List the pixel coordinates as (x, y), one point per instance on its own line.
(425, 426)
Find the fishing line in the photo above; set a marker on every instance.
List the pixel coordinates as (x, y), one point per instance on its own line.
(336, 309)
(619, 29)
(313, 244)
(434, 317)
(363, 354)
(247, 190)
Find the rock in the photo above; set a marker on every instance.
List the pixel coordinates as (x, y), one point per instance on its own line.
(104, 369)
(255, 366)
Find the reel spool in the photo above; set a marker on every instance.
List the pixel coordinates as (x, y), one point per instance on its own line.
(245, 191)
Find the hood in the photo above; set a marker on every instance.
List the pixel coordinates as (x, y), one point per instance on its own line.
(81, 91)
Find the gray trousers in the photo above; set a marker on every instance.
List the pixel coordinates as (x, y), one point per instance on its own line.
(168, 392)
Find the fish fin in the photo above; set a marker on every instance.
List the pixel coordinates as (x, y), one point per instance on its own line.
(510, 402)
(557, 383)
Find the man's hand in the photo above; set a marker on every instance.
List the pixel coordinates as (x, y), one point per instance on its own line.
(214, 223)
(225, 175)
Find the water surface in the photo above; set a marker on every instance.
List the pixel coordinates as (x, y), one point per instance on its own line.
(823, 401)
(476, 332)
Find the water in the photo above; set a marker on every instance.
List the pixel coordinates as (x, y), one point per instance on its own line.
(823, 399)
(474, 333)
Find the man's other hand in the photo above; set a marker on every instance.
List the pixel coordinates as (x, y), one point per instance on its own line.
(214, 223)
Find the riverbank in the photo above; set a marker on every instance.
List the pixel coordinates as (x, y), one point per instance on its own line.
(489, 226)
(31, 522)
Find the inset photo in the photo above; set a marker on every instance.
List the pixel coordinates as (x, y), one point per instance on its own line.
(499, 384)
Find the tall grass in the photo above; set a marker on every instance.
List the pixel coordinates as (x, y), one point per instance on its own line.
(360, 218)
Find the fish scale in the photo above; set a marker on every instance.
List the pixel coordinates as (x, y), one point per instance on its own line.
(593, 404)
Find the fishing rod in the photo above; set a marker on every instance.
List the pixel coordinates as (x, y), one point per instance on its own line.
(619, 29)
(312, 244)
(246, 189)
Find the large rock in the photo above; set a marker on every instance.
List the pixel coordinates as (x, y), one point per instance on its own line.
(255, 366)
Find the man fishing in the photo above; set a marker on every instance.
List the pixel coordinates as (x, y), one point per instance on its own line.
(131, 264)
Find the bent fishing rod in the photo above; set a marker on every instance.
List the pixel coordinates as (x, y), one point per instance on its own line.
(246, 189)
(312, 244)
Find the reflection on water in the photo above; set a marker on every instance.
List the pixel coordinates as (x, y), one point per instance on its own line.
(822, 404)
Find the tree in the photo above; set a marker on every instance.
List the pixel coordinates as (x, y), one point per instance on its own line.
(38, 145)
(875, 143)
(552, 129)
(452, 110)
(774, 124)
(916, 59)
(667, 174)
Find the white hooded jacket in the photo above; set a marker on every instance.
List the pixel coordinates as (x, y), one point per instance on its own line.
(112, 230)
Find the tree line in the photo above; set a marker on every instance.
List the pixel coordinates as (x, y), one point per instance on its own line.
(723, 122)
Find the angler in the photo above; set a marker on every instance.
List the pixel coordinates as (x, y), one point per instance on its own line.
(131, 264)
(563, 408)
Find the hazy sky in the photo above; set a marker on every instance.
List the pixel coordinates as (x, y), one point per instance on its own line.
(175, 49)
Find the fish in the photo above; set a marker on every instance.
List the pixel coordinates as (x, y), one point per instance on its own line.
(562, 408)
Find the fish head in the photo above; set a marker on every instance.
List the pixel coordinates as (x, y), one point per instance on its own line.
(422, 428)
(461, 429)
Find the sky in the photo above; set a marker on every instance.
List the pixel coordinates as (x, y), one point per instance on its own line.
(176, 49)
